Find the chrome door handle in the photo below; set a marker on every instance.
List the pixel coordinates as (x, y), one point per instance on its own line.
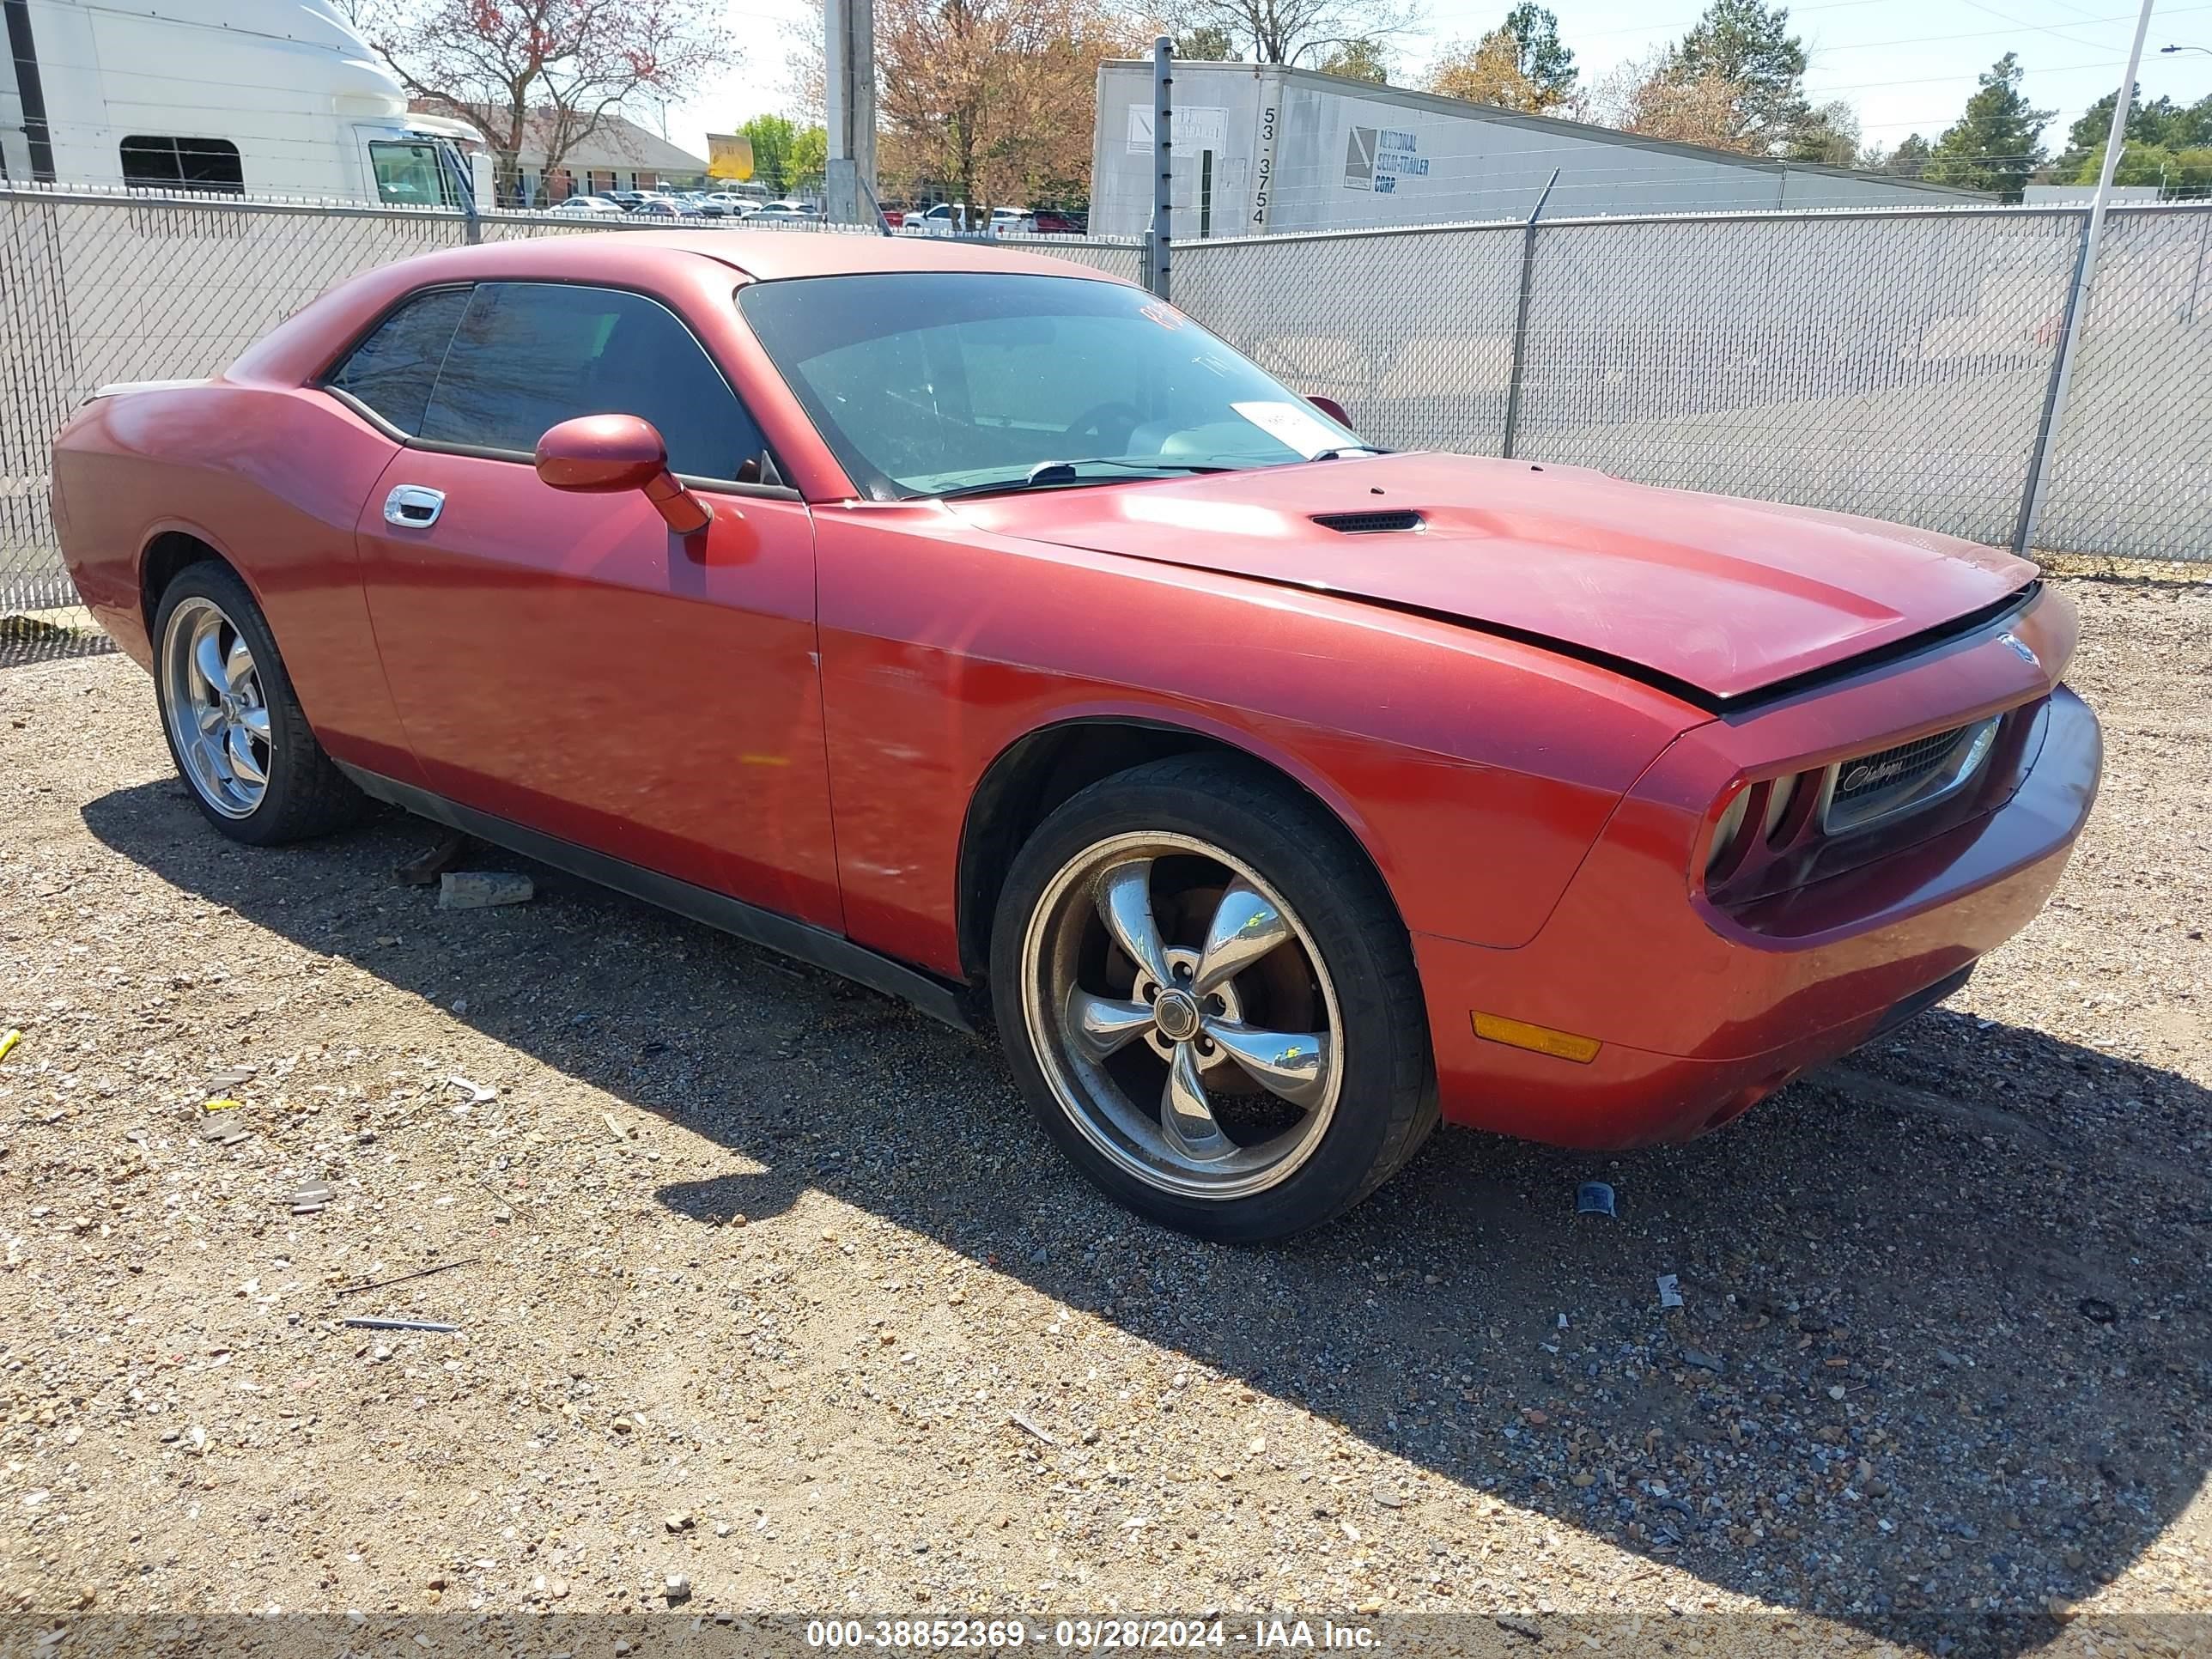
(412, 506)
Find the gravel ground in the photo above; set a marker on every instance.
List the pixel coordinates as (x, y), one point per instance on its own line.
(764, 1281)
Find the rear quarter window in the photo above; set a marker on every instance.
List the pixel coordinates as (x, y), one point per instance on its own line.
(393, 371)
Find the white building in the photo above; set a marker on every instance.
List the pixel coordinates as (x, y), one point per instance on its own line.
(1262, 148)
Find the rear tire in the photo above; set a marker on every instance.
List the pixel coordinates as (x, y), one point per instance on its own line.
(1209, 1001)
(234, 725)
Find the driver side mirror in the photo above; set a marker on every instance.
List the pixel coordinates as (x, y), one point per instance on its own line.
(606, 454)
(1334, 410)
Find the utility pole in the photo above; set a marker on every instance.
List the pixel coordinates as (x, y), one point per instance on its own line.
(1163, 162)
(2078, 303)
(849, 182)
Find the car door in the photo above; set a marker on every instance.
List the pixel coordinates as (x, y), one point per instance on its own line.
(565, 661)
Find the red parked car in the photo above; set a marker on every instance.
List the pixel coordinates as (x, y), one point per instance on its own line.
(972, 623)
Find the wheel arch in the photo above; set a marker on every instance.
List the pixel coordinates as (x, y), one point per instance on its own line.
(1034, 772)
(173, 546)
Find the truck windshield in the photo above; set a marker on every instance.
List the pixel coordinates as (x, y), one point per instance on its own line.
(933, 383)
(408, 174)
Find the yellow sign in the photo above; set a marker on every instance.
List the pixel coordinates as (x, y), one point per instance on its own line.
(729, 155)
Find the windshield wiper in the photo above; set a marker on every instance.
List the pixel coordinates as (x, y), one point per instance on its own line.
(1045, 475)
(1340, 452)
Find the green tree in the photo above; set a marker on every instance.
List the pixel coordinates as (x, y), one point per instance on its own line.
(2140, 164)
(2176, 172)
(1998, 141)
(1909, 159)
(2161, 123)
(808, 159)
(1748, 45)
(1357, 59)
(1545, 61)
(771, 136)
(1829, 135)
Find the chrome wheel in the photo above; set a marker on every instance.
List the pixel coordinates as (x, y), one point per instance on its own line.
(1182, 1015)
(217, 716)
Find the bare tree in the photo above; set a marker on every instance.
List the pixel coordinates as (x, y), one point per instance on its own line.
(1485, 71)
(1297, 31)
(1654, 97)
(546, 75)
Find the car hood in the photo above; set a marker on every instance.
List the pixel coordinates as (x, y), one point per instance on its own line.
(1710, 595)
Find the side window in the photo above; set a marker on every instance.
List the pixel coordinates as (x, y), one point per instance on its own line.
(394, 369)
(156, 163)
(529, 356)
(408, 174)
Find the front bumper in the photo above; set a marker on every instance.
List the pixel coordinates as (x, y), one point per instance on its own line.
(1700, 1012)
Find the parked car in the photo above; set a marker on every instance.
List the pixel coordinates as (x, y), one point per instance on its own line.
(596, 207)
(1053, 222)
(625, 199)
(944, 218)
(784, 213)
(664, 207)
(1370, 787)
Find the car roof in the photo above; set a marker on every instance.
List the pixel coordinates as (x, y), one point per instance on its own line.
(763, 255)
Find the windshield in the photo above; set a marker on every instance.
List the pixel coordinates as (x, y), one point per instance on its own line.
(936, 382)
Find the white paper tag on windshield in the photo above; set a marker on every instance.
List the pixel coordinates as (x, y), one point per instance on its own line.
(1292, 424)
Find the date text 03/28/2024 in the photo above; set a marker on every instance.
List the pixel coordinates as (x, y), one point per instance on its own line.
(1089, 1635)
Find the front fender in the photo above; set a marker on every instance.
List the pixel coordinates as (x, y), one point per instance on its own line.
(1475, 772)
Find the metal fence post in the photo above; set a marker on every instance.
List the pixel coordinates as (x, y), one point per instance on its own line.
(2070, 337)
(1521, 317)
(1158, 239)
(2030, 492)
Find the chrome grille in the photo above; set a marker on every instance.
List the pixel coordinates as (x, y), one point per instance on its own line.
(1907, 763)
(1870, 788)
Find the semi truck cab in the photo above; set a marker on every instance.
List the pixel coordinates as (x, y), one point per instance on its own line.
(267, 97)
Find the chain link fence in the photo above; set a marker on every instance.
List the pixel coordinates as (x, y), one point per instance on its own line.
(97, 287)
(1895, 364)
(2133, 471)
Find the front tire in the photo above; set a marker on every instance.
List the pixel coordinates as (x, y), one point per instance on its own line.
(235, 727)
(1209, 1001)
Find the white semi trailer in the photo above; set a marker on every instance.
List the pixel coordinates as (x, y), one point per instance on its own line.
(268, 98)
(1259, 148)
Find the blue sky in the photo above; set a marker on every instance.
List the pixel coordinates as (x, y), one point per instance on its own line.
(1907, 65)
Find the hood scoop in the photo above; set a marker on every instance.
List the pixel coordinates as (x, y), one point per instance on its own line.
(1374, 523)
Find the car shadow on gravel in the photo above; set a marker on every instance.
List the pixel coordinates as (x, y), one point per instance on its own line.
(1941, 1357)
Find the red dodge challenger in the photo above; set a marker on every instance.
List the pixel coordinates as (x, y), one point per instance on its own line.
(983, 629)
